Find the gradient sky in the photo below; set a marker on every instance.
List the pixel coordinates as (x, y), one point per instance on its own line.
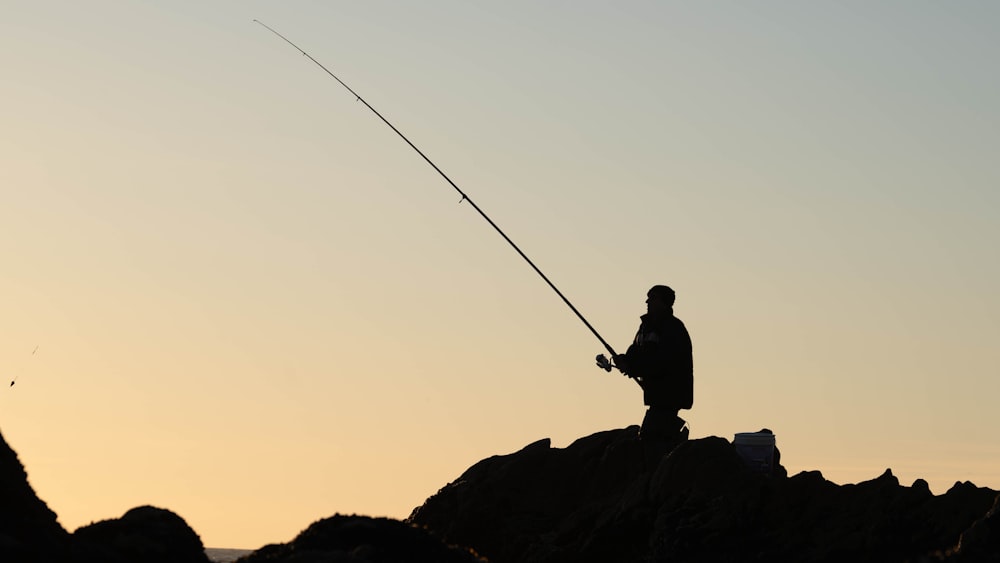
(256, 306)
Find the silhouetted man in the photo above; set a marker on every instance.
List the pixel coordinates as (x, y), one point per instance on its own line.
(660, 360)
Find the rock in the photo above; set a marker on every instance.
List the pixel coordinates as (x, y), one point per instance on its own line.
(981, 542)
(146, 533)
(29, 531)
(505, 505)
(607, 497)
(361, 539)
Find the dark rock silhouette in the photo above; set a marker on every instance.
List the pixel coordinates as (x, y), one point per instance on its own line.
(29, 530)
(146, 533)
(30, 533)
(605, 498)
(980, 543)
(361, 539)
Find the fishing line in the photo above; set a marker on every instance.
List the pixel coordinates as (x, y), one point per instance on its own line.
(445, 176)
(13, 381)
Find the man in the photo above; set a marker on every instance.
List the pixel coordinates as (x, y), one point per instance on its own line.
(660, 360)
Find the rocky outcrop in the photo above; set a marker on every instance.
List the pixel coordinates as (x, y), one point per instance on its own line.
(607, 497)
(146, 533)
(980, 543)
(29, 530)
(361, 539)
(30, 533)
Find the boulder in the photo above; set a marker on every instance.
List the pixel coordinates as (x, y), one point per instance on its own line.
(145, 533)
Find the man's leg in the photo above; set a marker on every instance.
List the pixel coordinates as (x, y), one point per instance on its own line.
(661, 424)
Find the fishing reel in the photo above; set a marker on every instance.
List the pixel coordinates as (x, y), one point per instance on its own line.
(603, 362)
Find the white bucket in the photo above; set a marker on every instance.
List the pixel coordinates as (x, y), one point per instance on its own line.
(757, 450)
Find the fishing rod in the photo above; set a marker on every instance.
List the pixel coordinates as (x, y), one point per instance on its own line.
(601, 360)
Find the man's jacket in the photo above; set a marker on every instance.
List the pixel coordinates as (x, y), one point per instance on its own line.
(660, 359)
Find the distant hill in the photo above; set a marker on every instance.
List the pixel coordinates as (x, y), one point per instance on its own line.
(224, 555)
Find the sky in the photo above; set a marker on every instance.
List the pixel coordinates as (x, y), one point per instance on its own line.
(231, 291)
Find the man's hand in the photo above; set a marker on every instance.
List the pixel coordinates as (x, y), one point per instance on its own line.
(621, 362)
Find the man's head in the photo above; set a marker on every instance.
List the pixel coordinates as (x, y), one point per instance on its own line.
(659, 299)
